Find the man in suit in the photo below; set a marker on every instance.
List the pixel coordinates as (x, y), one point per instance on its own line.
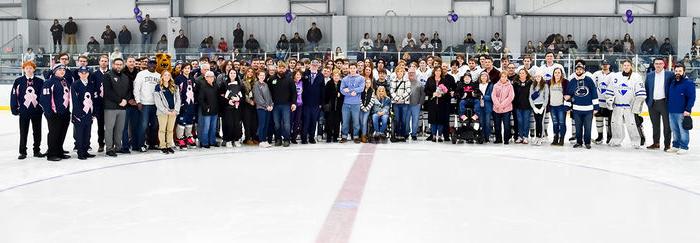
(312, 97)
(657, 83)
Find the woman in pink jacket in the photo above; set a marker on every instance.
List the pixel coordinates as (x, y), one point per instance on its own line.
(502, 97)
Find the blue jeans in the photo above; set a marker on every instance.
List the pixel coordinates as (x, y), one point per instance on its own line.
(436, 130)
(583, 121)
(400, 117)
(467, 103)
(281, 115)
(484, 114)
(380, 127)
(559, 120)
(351, 114)
(681, 137)
(133, 120)
(502, 124)
(208, 127)
(413, 117)
(364, 119)
(148, 126)
(523, 122)
(263, 122)
(146, 40)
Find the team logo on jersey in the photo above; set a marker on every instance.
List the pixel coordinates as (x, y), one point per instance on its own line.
(623, 89)
(581, 91)
(602, 87)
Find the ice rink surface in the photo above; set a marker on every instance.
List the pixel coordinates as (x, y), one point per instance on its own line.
(410, 192)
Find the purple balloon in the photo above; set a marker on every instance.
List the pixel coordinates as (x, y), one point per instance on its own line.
(630, 19)
(628, 12)
(139, 19)
(455, 17)
(289, 17)
(137, 10)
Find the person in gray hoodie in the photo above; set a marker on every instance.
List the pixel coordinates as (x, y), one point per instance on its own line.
(416, 100)
(263, 106)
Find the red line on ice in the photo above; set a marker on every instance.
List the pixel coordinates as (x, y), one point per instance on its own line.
(339, 223)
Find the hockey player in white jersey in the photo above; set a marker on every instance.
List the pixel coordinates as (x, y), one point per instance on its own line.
(549, 65)
(625, 94)
(602, 118)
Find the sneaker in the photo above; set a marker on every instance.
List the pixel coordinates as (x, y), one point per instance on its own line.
(111, 153)
(237, 144)
(278, 142)
(312, 141)
(165, 151)
(171, 150)
(264, 145)
(682, 151)
(343, 140)
(439, 140)
(578, 145)
(414, 138)
(524, 141)
(519, 140)
(143, 149)
(672, 150)
(588, 146)
(356, 140)
(285, 144)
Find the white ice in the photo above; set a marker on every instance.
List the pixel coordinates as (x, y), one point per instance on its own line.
(416, 192)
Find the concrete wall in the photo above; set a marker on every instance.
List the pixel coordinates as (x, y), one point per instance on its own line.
(593, 7)
(90, 9)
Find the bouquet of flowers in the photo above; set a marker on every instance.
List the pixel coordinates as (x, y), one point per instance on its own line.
(440, 91)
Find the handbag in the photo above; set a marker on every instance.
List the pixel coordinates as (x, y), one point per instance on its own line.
(687, 123)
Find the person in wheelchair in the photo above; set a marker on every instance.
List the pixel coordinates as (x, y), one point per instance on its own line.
(381, 104)
(467, 126)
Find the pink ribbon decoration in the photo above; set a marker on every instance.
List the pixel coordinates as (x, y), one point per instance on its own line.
(87, 103)
(66, 97)
(190, 95)
(30, 97)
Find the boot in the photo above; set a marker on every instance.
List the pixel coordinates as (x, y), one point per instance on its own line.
(556, 140)
(561, 141)
(599, 139)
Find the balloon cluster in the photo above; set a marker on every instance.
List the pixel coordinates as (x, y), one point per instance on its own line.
(289, 17)
(137, 13)
(628, 17)
(452, 17)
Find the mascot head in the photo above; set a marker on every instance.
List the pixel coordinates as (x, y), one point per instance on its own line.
(163, 62)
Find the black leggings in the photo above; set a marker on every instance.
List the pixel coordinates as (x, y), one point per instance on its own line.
(57, 41)
(538, 122)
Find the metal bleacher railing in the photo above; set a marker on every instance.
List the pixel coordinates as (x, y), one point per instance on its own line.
(11, 58)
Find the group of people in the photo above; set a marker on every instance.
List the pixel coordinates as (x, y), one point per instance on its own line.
(207, 103)
(147, 28)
